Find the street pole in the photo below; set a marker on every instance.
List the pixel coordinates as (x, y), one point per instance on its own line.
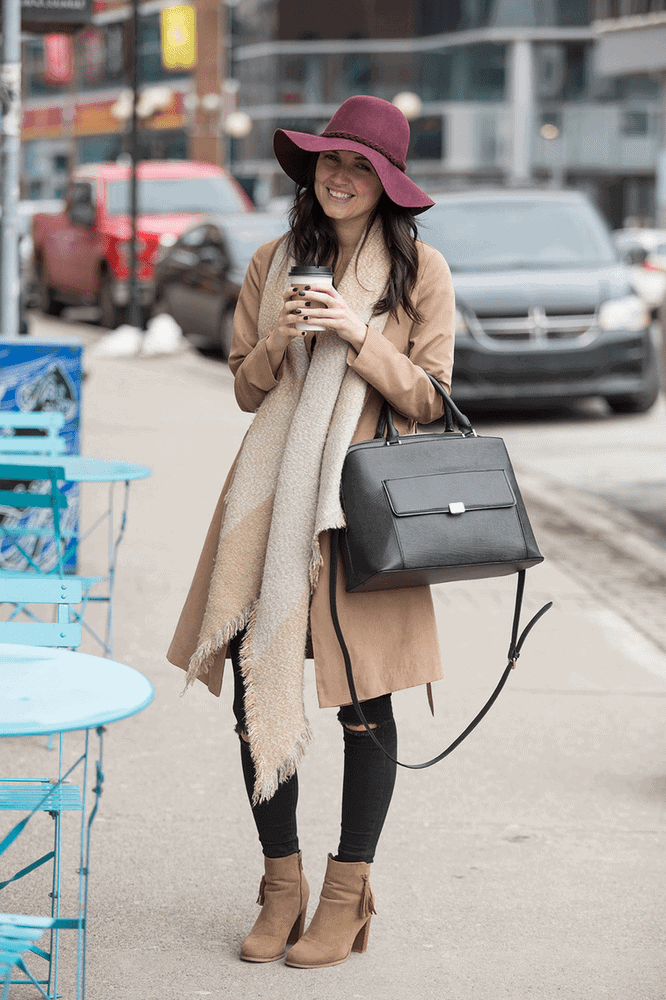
(10, 133)
(134, 306)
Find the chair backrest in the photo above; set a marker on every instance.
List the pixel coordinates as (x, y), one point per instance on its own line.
(46, 440)
(55, 499)
(41, 590)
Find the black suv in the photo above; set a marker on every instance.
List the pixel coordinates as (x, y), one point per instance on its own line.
(545, 308)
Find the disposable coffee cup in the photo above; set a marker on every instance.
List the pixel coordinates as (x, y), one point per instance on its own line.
(306, 275)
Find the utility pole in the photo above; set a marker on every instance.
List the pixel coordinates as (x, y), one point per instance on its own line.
(134, 306)
(10, 134)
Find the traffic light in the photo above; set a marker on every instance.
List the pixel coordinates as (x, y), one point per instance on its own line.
(178, 29)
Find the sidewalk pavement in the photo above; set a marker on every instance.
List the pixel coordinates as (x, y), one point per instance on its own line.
(529, 864)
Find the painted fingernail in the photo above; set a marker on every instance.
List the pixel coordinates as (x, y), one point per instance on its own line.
(305, 317)
(297, 310)
(301, 293)
(294, 289)
(307, 287)
(309, 305)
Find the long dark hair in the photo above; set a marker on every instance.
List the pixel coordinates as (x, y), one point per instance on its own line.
(313, 241)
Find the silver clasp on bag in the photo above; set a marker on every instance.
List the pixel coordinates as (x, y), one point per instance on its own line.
(458, 507)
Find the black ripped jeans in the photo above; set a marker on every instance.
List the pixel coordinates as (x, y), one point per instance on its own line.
(367, 786)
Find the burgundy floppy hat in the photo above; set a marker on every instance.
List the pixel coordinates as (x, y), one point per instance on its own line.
(366, 125)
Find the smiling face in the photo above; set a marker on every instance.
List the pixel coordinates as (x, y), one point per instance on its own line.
(347, 186)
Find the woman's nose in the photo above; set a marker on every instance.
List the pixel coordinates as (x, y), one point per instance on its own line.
(341, 173)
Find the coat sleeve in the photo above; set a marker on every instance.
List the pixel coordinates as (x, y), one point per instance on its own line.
(248, 358)
(401, 378)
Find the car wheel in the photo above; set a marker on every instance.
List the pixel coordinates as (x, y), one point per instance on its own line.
(226, 330)
(634, 402)
(45, 300)
(110, 314)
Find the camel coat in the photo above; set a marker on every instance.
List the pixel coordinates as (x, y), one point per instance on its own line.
(391, 634)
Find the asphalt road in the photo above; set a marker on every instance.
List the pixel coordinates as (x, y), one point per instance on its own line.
(621, 459)
(529, 865)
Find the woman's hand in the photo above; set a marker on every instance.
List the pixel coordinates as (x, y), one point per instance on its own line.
(279, 339)
(324, 306)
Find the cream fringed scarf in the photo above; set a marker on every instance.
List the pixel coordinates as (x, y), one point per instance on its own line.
(285, 492)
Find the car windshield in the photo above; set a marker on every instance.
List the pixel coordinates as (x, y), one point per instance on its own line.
(175, 196)
(506, 235)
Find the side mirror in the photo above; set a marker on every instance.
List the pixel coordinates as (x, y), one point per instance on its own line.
(82, 213)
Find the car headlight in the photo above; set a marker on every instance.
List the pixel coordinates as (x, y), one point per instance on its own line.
(462, 326)
(627, 313)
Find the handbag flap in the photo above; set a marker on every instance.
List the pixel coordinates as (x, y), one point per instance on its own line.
(449, 493)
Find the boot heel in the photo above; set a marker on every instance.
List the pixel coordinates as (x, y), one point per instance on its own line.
(361, 940)
(296, 931)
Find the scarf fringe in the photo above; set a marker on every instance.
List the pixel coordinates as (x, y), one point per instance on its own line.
(208, 650)
(316, 559)
(266, 787)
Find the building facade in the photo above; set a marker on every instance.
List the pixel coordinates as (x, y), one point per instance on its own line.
(508, 93)
(632, 44)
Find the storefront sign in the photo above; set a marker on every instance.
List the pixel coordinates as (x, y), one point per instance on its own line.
(58, 60)
(43, 17)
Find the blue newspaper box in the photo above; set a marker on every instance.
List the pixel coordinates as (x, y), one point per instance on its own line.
(39, 375)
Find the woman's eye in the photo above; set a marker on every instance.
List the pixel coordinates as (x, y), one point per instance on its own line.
(363, 166)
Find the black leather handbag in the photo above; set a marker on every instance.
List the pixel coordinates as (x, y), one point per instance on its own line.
(431, 508)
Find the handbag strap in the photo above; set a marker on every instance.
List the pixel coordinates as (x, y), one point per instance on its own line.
(514, 652)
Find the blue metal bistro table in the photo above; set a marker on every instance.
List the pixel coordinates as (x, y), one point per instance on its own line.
(84, 469)
(42, 691)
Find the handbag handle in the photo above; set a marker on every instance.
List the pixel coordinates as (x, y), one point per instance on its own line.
(452, 415)
(513, 654)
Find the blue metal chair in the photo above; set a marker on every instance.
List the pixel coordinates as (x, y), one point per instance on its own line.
(31, 433)
(19, 935)
(59, 591)
(12, 535)
(48, 796)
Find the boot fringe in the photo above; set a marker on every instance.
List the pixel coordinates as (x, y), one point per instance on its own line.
(261, 898)
(367, 898)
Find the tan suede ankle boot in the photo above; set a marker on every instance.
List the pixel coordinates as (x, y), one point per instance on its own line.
(283, 896)
(341, 923)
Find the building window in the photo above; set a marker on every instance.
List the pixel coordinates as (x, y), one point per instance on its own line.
(468, 73)
(357, 69)
(426, 138)
(435, 73)
(635, 123)
(485, 72)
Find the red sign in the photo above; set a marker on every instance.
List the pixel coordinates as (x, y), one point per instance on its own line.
(93, 53)
(58, 60)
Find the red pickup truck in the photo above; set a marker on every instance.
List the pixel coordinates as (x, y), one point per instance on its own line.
(81, 255)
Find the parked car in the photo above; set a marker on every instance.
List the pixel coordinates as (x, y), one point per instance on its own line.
(82, 254)
(644, 251)
(545, 308)
(198, 277)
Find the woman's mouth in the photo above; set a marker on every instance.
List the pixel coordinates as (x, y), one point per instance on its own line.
(339, 195)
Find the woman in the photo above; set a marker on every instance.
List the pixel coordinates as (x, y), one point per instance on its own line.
(260, 592)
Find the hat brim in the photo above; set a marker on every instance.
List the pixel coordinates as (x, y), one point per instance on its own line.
(293, 151)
